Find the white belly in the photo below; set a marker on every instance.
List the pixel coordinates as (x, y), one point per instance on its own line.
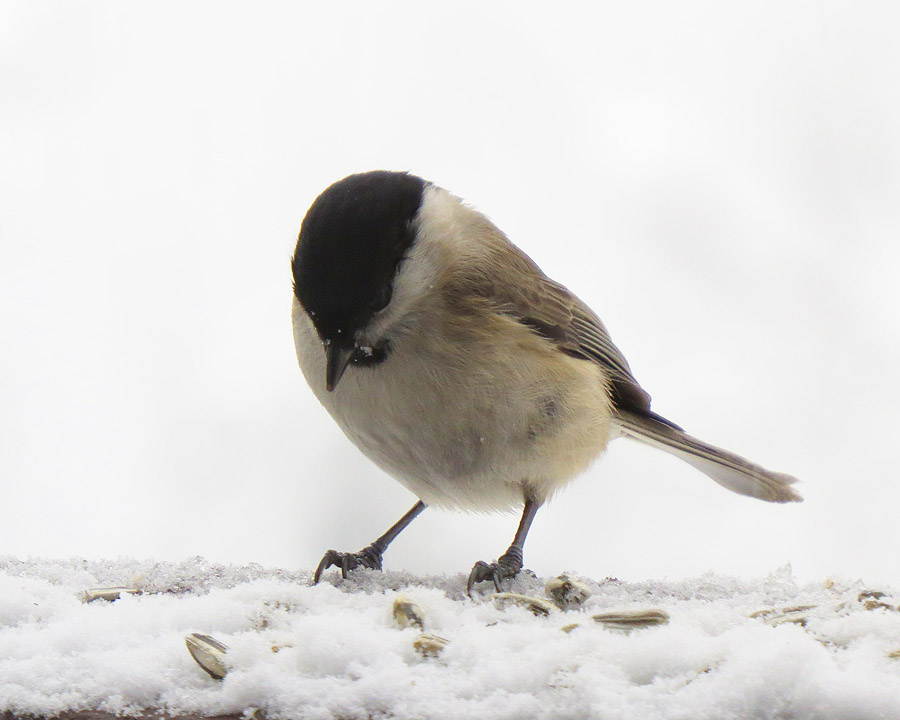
(478, 432)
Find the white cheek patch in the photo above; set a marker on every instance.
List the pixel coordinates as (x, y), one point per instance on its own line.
(438, 224)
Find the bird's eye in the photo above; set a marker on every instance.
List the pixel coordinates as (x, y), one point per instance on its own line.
(370, 355)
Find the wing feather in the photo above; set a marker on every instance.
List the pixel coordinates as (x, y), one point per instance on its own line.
(517, 286)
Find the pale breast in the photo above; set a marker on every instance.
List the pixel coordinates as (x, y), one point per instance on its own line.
(468, 419)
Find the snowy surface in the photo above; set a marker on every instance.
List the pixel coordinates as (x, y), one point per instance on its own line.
(338, 652)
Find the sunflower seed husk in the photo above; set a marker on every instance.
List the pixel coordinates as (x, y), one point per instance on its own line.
(796, 614)
(110, 594)
(209, 654)
(537, 606)
(567, 591)
(631, 619)
(429, 645)
(408, 614)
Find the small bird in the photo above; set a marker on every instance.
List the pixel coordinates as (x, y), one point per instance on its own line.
(446, 355)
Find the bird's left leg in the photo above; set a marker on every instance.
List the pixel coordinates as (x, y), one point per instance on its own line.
(508, 564)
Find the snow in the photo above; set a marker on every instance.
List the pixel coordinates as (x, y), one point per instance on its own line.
(335, 650)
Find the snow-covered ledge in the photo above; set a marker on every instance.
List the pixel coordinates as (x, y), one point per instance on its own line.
(718, 646)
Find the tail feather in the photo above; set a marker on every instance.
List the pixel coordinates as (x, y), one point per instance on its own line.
(726, 468)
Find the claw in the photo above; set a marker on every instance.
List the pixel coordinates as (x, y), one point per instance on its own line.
(507, 567)
(481, 572)
(367, 557)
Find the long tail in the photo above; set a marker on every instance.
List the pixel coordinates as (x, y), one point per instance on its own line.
(729, 470)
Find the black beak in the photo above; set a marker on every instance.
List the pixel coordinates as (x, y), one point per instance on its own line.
(337, 357)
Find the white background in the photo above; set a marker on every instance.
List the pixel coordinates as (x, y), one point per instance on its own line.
(719, 181)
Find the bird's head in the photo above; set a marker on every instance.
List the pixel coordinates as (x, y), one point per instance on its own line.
(351, 243)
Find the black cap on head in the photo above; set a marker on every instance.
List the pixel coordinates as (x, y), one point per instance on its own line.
(351, 241)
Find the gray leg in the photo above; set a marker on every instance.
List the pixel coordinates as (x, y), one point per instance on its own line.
(509, 564)
(371, 555)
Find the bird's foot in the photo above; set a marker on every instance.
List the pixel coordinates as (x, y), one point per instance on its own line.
(368, 557)
(507, 566)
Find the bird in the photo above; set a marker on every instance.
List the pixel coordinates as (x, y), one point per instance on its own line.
(458, 367)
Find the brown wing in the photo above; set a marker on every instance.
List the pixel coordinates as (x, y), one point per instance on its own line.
(552, 311)
(511, 282)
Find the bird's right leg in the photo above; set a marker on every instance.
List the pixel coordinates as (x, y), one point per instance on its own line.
(369, 556)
